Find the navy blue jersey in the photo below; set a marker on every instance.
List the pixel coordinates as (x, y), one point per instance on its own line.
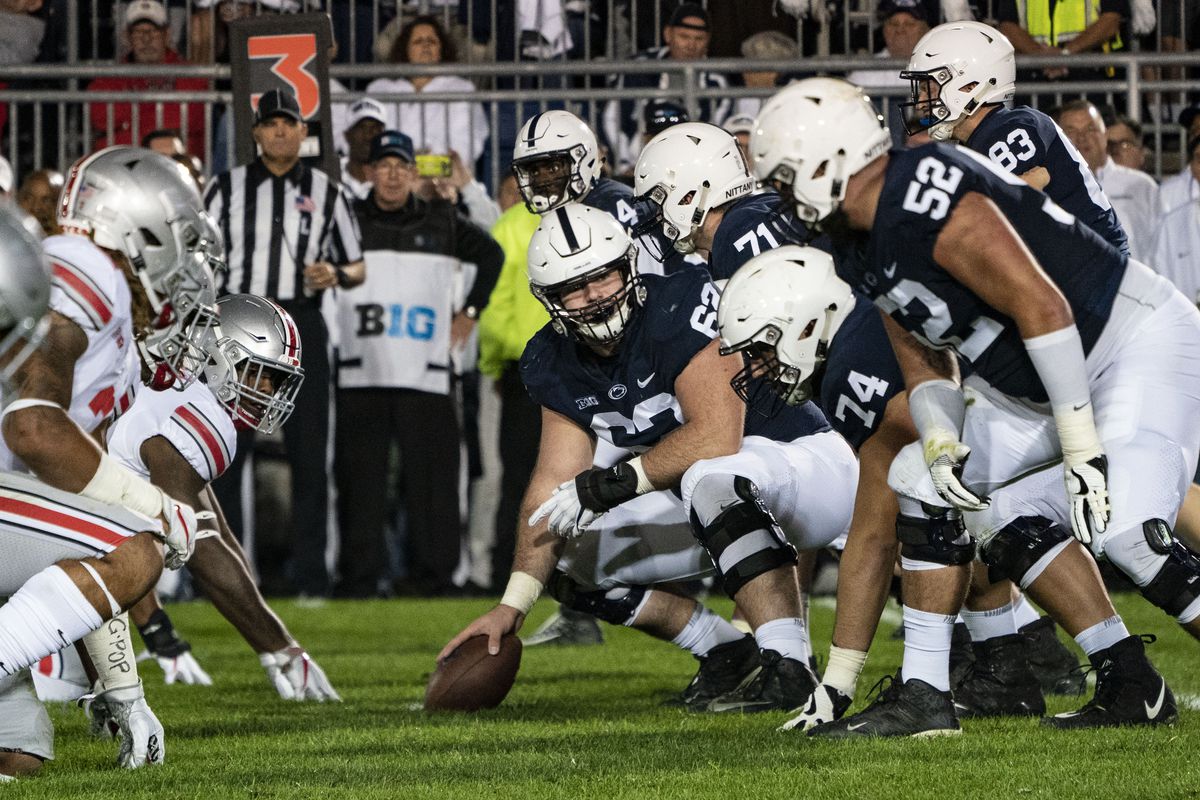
(752, 224)
(898, 272)
(617, 199)
(1019, 139)
(629, 398)
(860, 375)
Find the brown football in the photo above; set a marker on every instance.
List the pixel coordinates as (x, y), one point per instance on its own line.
(470, 679)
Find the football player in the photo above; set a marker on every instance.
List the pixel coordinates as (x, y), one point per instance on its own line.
(968, 261)
(131, 269)
(637, 402)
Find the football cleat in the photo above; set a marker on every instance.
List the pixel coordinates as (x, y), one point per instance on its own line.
(722, 670)
(567, 627)
(780, 684)
(1129, 691)
(904, 708)
(999, 682)
(1056, 667)
(826, 704)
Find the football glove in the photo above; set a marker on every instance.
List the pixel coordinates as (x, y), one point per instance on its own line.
(296, 676)
(180, 532)
(123, 713)
(172, 653)
(945, 457)
(567, 517)
(825, 704)
(1087, 489)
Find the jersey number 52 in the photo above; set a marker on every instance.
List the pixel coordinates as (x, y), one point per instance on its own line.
(930, 192)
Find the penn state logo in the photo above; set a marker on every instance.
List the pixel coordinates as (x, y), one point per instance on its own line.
(617, 392)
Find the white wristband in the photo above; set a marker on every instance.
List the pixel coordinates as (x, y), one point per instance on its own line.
(115, 485)
(111, 650)
(644, 484)
(522, 592)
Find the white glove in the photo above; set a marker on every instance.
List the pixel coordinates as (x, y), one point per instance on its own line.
(945, 456)
(296, 676)
(123, 713)
(180, 533)
(1087, 489)
(567, 516)
(825, 704)
(1144, 19)
(182, 668)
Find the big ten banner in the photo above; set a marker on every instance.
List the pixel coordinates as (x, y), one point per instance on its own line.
(289, 51)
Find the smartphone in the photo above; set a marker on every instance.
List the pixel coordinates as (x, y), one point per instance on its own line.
(433, 165)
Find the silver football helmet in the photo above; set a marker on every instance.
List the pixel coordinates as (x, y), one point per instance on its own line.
(781, 310)
(24, 292)
(969, 63)
(556, 160)
(254, 365)
(146, 206)
(573, 246)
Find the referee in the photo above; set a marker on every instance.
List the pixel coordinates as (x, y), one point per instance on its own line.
(290, 235)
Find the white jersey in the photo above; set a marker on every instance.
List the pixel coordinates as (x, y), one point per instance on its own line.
(90, 290)
(192, 420)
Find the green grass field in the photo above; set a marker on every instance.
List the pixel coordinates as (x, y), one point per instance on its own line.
(580, 723)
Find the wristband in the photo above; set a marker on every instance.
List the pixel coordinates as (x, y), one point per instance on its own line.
(1062, 367)
(343, 280)
(522, 592)
(111, 650)
(644, 485)
(117, 486)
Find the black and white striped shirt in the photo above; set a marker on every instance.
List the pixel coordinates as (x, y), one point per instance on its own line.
(276, 225)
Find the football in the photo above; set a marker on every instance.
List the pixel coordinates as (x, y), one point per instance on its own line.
(470, 679)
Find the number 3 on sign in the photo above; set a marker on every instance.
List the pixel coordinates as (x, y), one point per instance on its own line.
(704, 316)
(864, 387)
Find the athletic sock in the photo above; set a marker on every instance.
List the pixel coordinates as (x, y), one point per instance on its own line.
(46, 614)
(927, 647)
(1102, 635)
(706, 630)
(786, 636)
(845, 666)
(1023, 611)
(985, 625)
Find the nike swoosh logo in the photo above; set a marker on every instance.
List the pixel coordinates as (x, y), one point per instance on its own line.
(890, 272)
(1152, 710)
(1081, 406)
(856, 726)
(645, 383)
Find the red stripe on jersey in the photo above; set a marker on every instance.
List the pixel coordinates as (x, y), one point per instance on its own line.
(63, 520)
(98, 304)
(211, 441)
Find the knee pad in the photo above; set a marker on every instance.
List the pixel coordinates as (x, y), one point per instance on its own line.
(617, 606)
(1019, 545)
(1177, 584)
(732, 523)
(939, 540)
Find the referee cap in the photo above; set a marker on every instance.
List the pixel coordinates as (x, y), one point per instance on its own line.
(277, 103)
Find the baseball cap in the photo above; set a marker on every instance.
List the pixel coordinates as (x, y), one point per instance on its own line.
(660, 115)
(392, 143)
(366, 108)
(146, 11)
(690, 10)
(277, 103)
(914, 8)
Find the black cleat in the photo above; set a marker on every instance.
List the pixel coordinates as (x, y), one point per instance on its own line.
(779, 684)
(1129, 691)
(724, 669)
(962, 654)
(1000, 682)
(909, 708)
(1056, 667)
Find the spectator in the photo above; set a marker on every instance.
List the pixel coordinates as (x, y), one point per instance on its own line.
(765, 45)
(435, 127)
(512, 316)
(399, 333)
(660, 115)
(1189, 119)
(1125, 143)
(685, 38)
(164, 140)
(741, 127)
(208, 29)
(736, 21)
(21, 31)
(1133, 194)
(1182, 188)
(1177, 250)
(1065, 27)
(38, 195)
(904, 22)
(290, 234)
(368, 119)
(148, 35)
(460, 188)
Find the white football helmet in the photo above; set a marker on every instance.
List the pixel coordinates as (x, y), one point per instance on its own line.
(970, 63)
(556, 160)
(685, 172)
(810, 137)
(146, 206)
(24, 292)
(573, 246)
(781, 310)
(257, 345)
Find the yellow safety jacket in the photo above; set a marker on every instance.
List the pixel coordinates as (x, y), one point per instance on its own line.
(1069, 19)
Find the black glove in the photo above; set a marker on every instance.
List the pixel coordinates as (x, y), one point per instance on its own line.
(602, 489)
